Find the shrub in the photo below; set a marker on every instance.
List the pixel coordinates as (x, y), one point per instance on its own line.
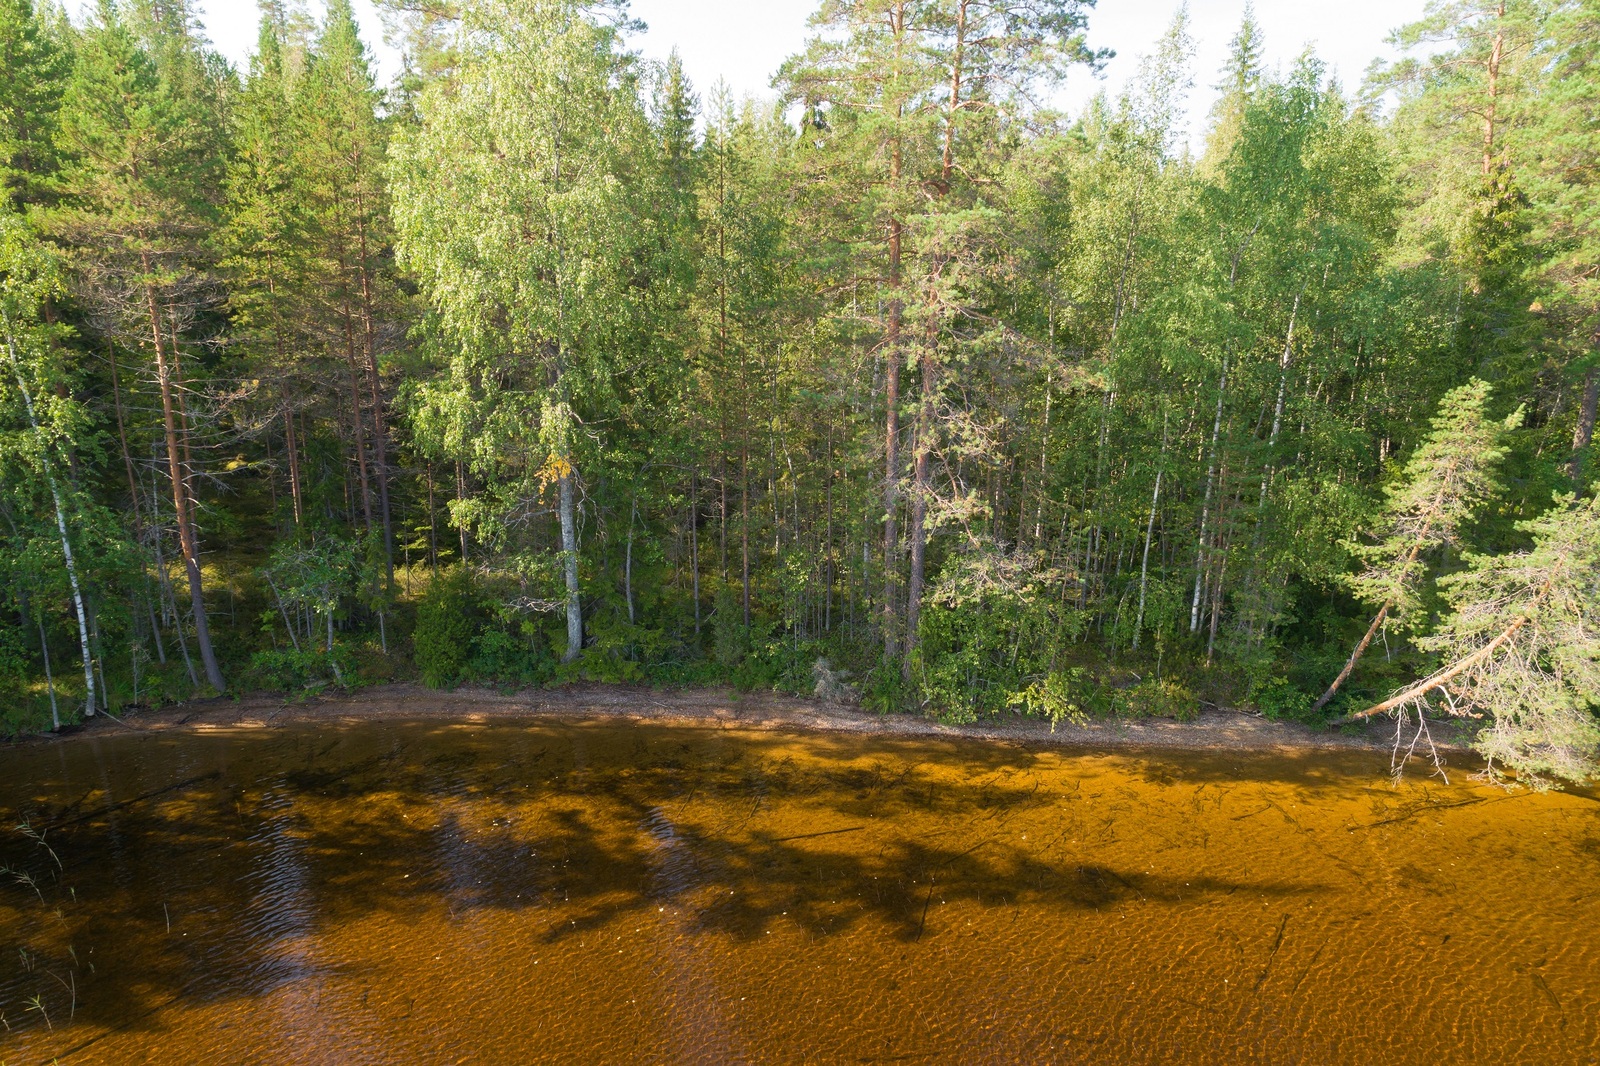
(1278, 699)
(1158, 699)
(990, 626)
(448, 620)
(501, 656)
(729, 640)
(1062, 696)
(286, 670)
(884, 690)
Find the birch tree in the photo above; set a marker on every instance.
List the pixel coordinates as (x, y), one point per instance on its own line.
(513, 211)
(29, 275)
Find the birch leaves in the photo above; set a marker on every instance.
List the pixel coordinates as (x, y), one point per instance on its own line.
(512, 213)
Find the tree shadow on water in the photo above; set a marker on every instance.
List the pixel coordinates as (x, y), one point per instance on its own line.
(174, 885)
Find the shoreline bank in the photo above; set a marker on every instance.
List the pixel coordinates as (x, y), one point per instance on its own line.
(1214, 729)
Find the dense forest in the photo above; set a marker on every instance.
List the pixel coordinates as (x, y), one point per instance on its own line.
(542, 365)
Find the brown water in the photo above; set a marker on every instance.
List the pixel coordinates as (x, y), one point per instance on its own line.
(418, 892)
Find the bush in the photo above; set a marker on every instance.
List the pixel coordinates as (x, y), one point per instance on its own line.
(976, 653)
(299, 671)
(448, 620)
(1277, 698)
(1062, 696)
(1158, 699)
(729, 640)
(501, 656)
(884, 690)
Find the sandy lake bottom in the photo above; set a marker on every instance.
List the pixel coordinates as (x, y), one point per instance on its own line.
(421, 891)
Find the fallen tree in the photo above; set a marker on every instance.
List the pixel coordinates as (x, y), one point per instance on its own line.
(1522, 647)
(1450, 475)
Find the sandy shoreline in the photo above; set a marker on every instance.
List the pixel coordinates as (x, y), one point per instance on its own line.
(1213, 730)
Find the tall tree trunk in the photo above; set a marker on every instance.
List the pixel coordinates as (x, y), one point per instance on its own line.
(1205, 507)
(49, 679)
(1583, 436)
(921, 488)
(744, 523)
(433, 523)
(122, 440)
(891, 439)
(461, 497)
(1149, 533)
(61, 529)
(1277, 410)
(1496, 53)
(828, 558)
(359, 425)
(694, 542)
(180, 497)
(1044, 455)
(891, 430)
(923, 434)
(134, 507)
(292, 447)
(380, 423)
(627, 563)
(569, 565)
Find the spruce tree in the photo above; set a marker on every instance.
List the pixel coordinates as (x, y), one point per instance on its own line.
(1451, 474)
(1521, 646)
(264, 238)
(33, 71)
(339, 163)
(143, 177)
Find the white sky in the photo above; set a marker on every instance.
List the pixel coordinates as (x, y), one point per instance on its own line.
(743, 41)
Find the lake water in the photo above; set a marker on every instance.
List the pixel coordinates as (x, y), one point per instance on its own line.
(541, 891)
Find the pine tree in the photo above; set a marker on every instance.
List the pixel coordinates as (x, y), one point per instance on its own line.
(1563, 183)
(340, 159)
(264, 234)
(143, 174)
(1241, 76)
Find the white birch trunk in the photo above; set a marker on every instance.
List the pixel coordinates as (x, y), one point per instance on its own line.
(1149, 533)
(569, 561)
(1205, 508)
(61, 529)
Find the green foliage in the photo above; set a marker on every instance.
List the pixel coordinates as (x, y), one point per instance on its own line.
(730, 641)
(1281, 700)
(1445, 481)
(1521, 644)
(990, 627)
(301, 672)
(1157, 698)
(33, 66)
(516, 658)
(1062, 696)
(448, 622)
(13, 677)
(631, 363)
